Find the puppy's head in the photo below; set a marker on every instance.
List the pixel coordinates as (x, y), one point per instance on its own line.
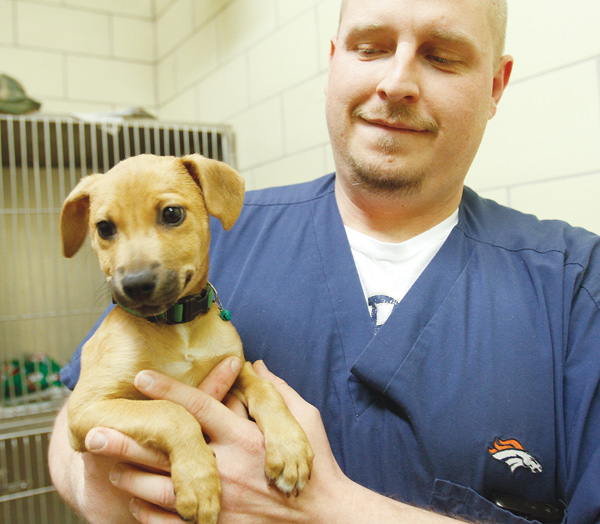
(148, 219)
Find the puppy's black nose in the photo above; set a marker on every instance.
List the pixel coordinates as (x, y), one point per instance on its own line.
(139, 286)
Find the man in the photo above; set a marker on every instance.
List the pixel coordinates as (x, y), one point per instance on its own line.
(478, 389)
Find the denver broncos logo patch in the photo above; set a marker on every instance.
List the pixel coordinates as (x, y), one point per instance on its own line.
(512, 453)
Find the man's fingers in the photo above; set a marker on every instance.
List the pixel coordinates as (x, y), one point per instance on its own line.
(154, 488)
(262, 371)
(221, 378)
(216, 420)
(149, 514)
(280, 385)
(306, 414)
(111, 443)
(236, 405)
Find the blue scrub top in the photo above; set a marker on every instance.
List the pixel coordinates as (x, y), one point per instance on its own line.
(483, 380)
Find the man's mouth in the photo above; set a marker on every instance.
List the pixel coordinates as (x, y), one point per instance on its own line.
(397, 118)
(395, 126)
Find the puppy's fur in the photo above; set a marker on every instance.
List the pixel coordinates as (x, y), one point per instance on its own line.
(151, 260)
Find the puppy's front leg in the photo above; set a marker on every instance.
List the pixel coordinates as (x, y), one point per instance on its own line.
(289, 455)
(169, 428)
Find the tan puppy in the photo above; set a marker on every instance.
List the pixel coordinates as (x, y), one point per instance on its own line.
(149, 224)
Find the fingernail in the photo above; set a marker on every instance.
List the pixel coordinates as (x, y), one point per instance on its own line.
(115, 473)
(236, 365)
(143, 380)
(134, 507)
(95, 441)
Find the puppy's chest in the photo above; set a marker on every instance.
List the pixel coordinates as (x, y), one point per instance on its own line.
(193, 355)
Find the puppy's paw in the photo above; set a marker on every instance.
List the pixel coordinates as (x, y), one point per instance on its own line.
(197, 498)
(289, 459)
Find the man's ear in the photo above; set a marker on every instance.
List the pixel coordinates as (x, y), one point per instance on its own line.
(75, 215)
(501, 79)
(222, 186)
(332, 44)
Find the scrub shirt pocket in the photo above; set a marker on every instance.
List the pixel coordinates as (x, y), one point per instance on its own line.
(459, 501)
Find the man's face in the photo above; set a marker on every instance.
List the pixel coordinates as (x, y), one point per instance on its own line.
(412, 84)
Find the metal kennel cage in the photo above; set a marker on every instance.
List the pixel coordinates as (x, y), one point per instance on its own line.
(49, 303)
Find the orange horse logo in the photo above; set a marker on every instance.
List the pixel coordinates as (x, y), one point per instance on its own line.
(512, 453)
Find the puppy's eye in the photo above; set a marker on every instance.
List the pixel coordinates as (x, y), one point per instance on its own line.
(173, 215)
(106, 229)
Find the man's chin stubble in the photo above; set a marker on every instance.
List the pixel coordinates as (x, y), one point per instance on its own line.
(399, 181)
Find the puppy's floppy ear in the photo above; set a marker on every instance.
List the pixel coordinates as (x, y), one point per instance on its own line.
(223, 188)
(75, 215)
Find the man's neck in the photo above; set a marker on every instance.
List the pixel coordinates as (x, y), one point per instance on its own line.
(390, 217)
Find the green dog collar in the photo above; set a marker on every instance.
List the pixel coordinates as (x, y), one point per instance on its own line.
(188, 308)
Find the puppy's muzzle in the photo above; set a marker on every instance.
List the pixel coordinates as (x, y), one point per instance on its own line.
(140, 286)
(149, 290)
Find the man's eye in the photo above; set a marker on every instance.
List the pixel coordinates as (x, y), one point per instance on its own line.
(369, 51)
(173, 215)
(443, 62)
(106, 229)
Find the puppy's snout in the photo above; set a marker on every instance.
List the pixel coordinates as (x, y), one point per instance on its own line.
(139, 286)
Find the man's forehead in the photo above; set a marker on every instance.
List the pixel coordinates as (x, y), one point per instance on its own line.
(441, 19)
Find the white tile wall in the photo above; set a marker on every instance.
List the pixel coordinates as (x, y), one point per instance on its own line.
(243, 24)
(197, 56)
(304, 107)
(224, 94)
(133, 39)
(110, 81)
(81, 55)
(160, 6)
(182, 108)
(259, 134)
(139, 8)
(67, 107)
(328, 15)
(40, 73)
(51, 27)
(546, 34)
(290, 169)
(278, 63)
(166, 78)
(205, 10)
(574, 199)
(261, 65)
(547, 126)
(174, 26)
(6, 22)
(287, 10)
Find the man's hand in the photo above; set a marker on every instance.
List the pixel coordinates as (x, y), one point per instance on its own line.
(238, 445)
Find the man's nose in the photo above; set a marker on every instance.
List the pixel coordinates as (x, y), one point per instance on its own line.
(400, 77)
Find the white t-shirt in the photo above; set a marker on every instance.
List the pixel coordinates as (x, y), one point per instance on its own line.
(387, 271)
